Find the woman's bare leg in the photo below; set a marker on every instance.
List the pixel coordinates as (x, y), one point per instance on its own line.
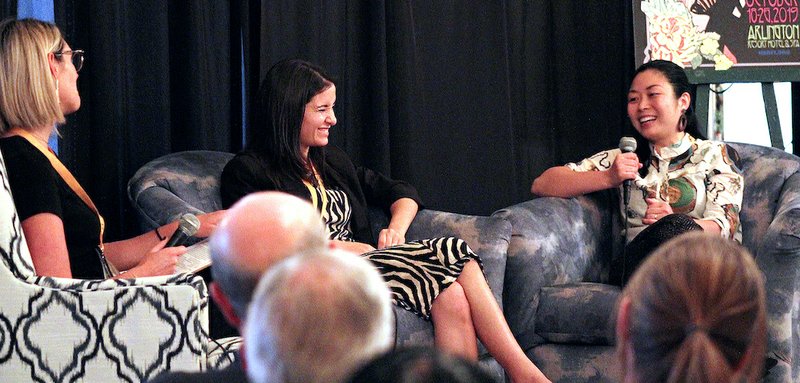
(492, 328)
(453, 331)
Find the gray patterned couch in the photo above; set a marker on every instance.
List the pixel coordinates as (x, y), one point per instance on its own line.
(68, 330)
(166, 187)
(560, 309)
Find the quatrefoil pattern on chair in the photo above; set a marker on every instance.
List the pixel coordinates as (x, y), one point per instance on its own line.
(69, 330)
(34, 336)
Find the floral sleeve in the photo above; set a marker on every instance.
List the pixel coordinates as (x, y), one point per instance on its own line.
(601, 161)
(724, 189)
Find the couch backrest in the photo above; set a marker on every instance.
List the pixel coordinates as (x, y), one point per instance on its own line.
(765, 171)
(16, 259)
(185, 182)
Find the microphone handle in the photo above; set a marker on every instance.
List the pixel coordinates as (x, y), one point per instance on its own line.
(178, 238)
(626, 192)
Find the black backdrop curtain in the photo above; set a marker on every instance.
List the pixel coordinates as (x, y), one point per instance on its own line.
(467, 100)
(158, 78)
(8, 8)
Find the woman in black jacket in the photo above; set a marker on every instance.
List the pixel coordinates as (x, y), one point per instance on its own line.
(439, 279)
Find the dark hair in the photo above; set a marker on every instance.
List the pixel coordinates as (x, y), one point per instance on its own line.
(680, 85)
(420, 365)
(282, 97)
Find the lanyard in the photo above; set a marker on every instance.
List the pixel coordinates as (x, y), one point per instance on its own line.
(323, 194)
(67, 177)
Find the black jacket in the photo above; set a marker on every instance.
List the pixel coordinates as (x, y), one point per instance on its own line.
(249, 172)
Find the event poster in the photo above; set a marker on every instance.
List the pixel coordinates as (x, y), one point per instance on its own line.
(721, 40)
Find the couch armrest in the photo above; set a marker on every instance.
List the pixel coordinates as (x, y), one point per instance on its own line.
(486, 236)
(156, 206)
(183, 182)
(779, 259)
(554, 241)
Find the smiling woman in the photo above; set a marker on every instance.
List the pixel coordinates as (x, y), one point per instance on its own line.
(439, 279)
(682, 182)
(318, 118)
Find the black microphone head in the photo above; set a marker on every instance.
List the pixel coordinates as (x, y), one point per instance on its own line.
(189, 224)
(627, 144)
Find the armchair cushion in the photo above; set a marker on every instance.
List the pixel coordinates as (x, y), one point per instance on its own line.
(578, 313)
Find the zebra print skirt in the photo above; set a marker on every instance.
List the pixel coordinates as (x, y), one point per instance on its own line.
(416, 272)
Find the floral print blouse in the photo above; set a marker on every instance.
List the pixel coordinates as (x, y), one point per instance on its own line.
(696, 177)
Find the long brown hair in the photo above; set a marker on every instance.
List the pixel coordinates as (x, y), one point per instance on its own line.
(697, 313)
(285, 90)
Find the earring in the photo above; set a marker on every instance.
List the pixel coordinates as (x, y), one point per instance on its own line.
(682, 121)
(57, 96)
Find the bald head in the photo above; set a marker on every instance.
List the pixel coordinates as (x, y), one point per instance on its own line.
(315, 317)
(258, 231)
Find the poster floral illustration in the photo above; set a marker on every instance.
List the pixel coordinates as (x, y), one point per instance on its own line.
(673, 34)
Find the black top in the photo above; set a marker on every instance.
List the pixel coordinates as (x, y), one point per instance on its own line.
(249, 172)
(234, 373)
(38, 188)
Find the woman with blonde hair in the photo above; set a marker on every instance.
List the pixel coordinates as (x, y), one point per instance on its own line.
(64, 230)
(694, 312)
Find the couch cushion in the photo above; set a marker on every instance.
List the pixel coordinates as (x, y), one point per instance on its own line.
(580, 313)
(577, 363)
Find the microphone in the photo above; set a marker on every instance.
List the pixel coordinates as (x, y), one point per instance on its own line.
(627, 145)
(187, 227)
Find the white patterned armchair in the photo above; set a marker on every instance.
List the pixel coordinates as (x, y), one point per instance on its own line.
(68, 330)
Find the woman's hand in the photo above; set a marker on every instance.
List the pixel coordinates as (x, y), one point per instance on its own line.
(159, 260)
(209, 222)
(353, 247)
(656, 209)
(390, 237)
(402, 213)
(625, 167)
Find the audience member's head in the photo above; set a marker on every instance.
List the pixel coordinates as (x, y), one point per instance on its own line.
(316, 317)
(28, 92)
(694, 312)
(258, 231)
(420, 365)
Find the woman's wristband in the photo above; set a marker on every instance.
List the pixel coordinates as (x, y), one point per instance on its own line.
(158, 234)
